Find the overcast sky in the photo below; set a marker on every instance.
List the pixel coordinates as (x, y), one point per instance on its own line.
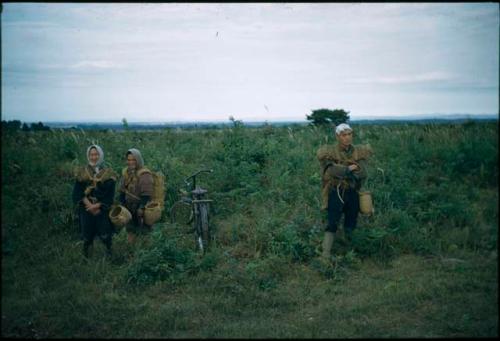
(182, 62)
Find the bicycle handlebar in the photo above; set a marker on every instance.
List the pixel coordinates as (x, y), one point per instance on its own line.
(195, 174)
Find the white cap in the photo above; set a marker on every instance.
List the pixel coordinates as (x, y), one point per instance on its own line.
(341, 127)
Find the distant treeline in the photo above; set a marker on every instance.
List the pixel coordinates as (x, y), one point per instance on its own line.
(174, 125)
(161, 126)
(17, 125)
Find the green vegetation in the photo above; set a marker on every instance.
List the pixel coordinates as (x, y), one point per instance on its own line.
(321, 117)
(425, 265)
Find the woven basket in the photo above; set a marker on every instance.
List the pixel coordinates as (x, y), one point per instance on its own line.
(152, 213)
(366, 203)
(120, 216)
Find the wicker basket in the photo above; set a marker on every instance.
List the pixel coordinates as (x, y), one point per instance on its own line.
(119, 215)
(152, 213)
(366, 203)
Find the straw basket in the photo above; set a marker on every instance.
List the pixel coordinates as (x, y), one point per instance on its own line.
(152, 213)
(366, 203)
(119, 216)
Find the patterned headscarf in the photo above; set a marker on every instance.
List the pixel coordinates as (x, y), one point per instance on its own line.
(100, 161)
(138, 157)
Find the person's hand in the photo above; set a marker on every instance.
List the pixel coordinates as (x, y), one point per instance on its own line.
(94, 209)
(87, 203)
(353, 167)
(95, 212)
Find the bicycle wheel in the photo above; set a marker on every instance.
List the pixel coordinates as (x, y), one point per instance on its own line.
(181, 213)
(204, 227)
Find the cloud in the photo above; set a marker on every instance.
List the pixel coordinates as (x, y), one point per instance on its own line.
(437, 76)
(31, 25)
(429, 81)
(292, 57)
(96, 64)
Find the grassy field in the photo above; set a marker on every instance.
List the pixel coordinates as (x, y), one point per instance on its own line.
(425, 265)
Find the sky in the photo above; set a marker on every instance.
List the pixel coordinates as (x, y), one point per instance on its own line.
(171, 62)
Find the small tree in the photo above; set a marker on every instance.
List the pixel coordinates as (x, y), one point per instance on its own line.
(327, 116)
(236, 123)
(125, 123)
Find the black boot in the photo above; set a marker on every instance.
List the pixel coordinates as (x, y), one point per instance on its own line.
(109, 253)
(348, 235)
(86, 246)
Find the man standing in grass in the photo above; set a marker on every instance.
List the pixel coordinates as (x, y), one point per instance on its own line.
(136, 190)
(343, 169)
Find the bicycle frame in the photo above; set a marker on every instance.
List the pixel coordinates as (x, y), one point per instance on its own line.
(200, 207)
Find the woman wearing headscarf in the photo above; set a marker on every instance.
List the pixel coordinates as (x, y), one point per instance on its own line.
(93, 192)
(136, 189)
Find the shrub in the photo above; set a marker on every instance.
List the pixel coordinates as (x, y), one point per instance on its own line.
(161, 260)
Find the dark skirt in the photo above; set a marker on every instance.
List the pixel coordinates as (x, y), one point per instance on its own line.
(92, 226)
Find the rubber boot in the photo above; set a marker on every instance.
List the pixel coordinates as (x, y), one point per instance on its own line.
(109, 253)
(327, 245)
(348, 235)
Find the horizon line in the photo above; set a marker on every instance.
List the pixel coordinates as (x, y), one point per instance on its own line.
(359, 118)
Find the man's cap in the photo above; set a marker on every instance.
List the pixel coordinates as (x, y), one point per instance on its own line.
(341, 127)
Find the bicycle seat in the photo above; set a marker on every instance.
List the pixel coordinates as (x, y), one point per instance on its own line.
(199, 191)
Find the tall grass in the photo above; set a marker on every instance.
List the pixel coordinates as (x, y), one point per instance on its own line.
(425, 265)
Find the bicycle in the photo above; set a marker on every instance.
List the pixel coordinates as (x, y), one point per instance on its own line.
(194, 209)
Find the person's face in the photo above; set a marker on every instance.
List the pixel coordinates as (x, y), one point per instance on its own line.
(345, 138)
(131, 161)
(93, 156)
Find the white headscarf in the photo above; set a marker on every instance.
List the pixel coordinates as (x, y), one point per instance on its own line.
(99, 162)
(341, 127)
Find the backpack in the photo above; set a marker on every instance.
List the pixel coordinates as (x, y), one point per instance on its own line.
(158, 185)
(158, 189)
